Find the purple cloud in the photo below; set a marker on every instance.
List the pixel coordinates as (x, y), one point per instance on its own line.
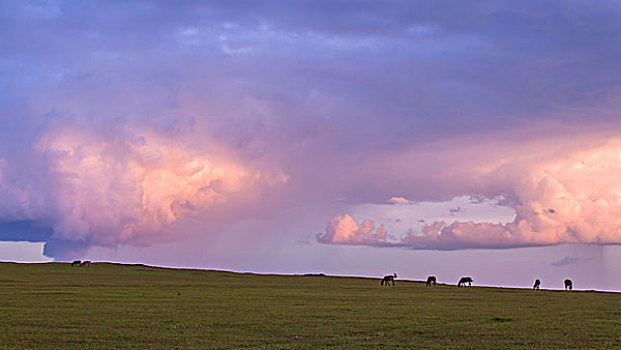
(288, 105)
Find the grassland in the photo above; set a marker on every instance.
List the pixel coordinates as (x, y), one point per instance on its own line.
(108, 306)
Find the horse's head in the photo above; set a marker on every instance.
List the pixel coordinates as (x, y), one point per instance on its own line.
(395, 274)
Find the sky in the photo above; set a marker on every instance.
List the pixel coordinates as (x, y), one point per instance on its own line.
(417, 137)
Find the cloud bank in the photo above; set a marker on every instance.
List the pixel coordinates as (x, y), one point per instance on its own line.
(573, 198)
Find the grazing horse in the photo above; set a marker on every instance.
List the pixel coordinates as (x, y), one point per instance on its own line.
(430, 280)
(86, 263)
(568, 284)
(389, 278)
(76, 263)
(536, 285)
(462, 282)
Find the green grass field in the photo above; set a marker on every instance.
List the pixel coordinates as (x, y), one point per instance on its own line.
(109, 306)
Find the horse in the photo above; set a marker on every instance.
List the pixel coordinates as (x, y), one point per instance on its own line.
(86, 263)
(536, 285)
(76, 262)
(388, 278)
(568, 284)
(462, 282)
(430, 280)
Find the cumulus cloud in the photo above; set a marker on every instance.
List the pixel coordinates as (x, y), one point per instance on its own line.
(343, 229)
(128, 187)
(570, 198)
(399, 200)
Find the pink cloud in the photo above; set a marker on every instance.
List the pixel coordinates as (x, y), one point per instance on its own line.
(343, 229)
(399, 200)
(131, 188)
(559, 197)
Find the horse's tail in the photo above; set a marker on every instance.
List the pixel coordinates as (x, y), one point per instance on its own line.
(382, 282)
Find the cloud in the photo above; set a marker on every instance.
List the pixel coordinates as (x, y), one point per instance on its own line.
(537, 182)
(119, 122)
(456, 210)
(343, 229)
(399, 200)
(128, 187)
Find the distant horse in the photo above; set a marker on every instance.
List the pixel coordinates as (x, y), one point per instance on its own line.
(430, 280)
(568, 284)
(536, 285)
(462, 282)
(76, 263)
(86, 263)
(389, 278)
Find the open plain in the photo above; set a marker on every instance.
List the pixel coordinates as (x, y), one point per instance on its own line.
(112, 306)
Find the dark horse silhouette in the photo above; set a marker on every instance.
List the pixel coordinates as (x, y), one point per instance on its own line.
(430, 280)
(76, 263)
(389, 278)
(568, 284)
(462, 282)
(536, 285)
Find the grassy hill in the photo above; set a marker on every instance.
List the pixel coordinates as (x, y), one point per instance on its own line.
(111, 306)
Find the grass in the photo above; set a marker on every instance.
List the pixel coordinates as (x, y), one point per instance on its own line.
(110, 306)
